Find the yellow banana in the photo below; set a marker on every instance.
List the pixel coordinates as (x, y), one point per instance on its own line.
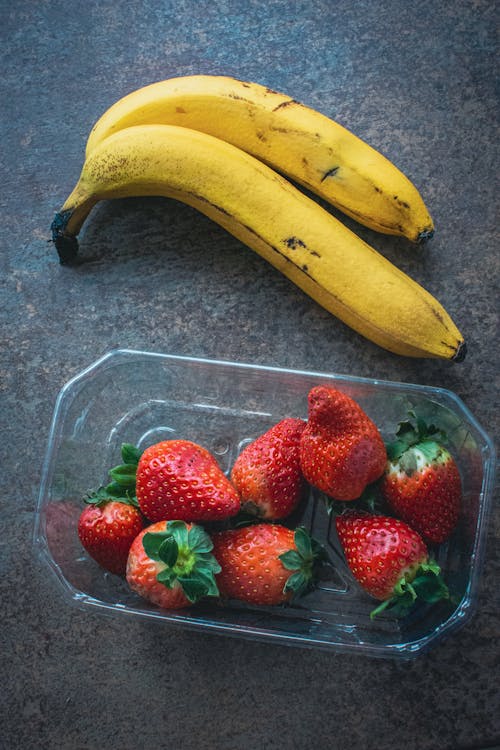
(296, 140)
(263, 210)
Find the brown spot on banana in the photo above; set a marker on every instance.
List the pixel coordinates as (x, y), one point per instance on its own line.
(330, 173)
(401, 203)
(295, 131)
(285, 256)
(237, 97)
(294, 242)
(286, 103)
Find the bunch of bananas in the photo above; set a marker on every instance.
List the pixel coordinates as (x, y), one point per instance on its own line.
(222, 146)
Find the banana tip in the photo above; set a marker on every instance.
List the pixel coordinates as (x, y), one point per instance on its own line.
(424, 235)
(461, 352)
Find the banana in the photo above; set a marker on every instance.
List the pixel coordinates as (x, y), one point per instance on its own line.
(262, 209)
(298, 141)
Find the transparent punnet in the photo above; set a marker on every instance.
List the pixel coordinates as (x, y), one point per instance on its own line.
(142, 398)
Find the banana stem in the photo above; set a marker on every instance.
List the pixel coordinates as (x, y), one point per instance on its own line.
(67, 224)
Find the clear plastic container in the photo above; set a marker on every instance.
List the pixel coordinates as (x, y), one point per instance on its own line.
(142, 398)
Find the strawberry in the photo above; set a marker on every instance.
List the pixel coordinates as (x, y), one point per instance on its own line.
(421, 483)
(180, 480)
(341, 449)
(267, 472)
(107, 528)
(265, 563)
(389, 560)
(170, 564)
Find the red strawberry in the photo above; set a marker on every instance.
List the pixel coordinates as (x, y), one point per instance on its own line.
(106, 529)
(178, 479)
(341, 449)
(422, 483)
(170, 564)
(389, 560)
(267, 472)
(264, 563)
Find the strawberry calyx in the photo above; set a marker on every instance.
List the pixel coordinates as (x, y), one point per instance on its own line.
(302, 561)
(123, 478)
(185, 554)
(427, 586)
(414, 433)
(102, 497)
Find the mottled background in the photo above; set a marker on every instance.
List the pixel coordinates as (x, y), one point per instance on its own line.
(418, 81)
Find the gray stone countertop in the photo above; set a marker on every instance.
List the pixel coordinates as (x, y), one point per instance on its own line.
(417, 81)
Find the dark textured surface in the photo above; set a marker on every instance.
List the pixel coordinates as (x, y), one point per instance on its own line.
(415, 80)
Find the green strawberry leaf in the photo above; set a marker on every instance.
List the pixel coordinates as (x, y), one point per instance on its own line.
(179, 531)
(206, 577)
(97, 497)
(395, 450)
(292, 560)
(297, 583)
(194, 587)
(167, 577)
(130, 454)
(422, 429)
(198, 540)
(152, 542)
(168, 551)
(124, 495)
(303, 543)
(406, 433)
(115, 490)
(430, 432)
(124, 475)
(206, 561)
(429, 584)
(430, 566)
